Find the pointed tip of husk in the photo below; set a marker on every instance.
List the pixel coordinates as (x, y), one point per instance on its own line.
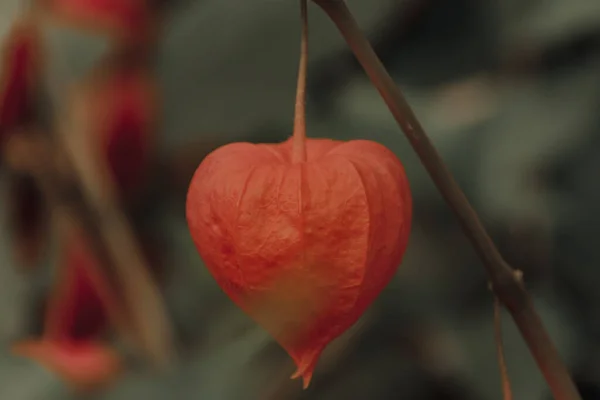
(305, 375)
(84, 366)
(305, 366)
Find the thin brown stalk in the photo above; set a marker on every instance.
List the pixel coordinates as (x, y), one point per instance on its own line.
(299, 138)
(506, 282)
(506, 386)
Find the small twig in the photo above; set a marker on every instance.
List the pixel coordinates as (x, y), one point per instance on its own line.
(506, 386)
(507, 286)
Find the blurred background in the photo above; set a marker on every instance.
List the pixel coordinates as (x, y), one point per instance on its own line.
(509, 92)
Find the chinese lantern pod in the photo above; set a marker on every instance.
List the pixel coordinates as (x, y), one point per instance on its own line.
(78, 315)
(334, 227)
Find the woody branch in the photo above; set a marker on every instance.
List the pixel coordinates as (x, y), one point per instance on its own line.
(506, 282)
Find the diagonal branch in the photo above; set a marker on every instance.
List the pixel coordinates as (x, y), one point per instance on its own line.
(506, 283)
(506, 387)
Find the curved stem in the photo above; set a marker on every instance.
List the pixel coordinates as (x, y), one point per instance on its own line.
(299, 138)
(507, 283)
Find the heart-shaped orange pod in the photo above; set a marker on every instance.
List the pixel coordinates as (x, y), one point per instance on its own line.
(337, 224)
(329, 220)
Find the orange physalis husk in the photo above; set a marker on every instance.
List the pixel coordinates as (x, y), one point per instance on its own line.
(78, 315)
(337, 225)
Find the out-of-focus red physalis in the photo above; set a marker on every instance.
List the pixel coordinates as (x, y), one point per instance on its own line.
(130, 21)
(78, 315)
(125, 107)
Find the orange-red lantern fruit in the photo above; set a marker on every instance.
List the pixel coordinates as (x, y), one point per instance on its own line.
(333, 227)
